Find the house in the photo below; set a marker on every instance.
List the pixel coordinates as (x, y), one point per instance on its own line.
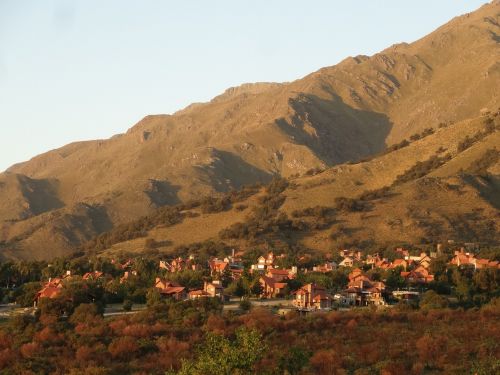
(406, 295)
(179, 264)
(326, 267)
(312, 297)
(463, 259)
(127, 275)
(170, 289)
(400, 263)
(363, 292)
(419, 275)
(271, 288)
(234, 259)
(96, 275)
(281, 274)
(354, 273)
(263, 263)
(403, 253)
(383, 264)
(372, 259)
(425, 260)
(217, 266)
(236, 273)
(51, 289)
(356, 255)
(347, 262)
(123, 266)
(210, 290)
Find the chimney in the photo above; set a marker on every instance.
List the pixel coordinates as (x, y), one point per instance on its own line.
(68, 273)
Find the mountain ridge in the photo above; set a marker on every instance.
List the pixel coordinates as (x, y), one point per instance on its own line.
(252, 132)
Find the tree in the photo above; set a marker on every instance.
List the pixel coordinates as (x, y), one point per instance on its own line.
(294, 360)
(27, 294)
(153, 297)
(218, 355)
(432, 300)
(245, 305)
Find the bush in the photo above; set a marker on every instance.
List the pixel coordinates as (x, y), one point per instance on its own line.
(245, 305)
(422, 168)
(127, 305)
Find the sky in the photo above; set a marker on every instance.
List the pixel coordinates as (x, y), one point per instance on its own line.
(89, 69)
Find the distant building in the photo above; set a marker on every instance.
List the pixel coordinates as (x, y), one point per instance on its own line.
(170, 289)
(312, 297)
(213, 289)
(272, 288)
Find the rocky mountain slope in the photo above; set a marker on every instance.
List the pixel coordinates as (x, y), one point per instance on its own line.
(248, 134)
(438, 188)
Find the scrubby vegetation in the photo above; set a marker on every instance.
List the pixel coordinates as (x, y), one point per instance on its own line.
(196, 338)
(422, 168)
(480, 167)
(168, 216)
(489, 128)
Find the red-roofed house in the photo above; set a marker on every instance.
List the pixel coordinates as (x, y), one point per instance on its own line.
(217, 266)
(419, 275)
(210, 290)
(263, 263)
(280, 274)
(363, 292)
(347, 262)
(312, 296)
(170, 289)
(463, 259)
(326, 267)
(51, 289)
(400, 263)
(272, 288)
(96, 275)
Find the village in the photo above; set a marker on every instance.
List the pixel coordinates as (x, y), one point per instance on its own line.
(280, 288)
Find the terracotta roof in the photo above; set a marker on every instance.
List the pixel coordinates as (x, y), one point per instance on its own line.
(279, 271)
(92, 275)
(48, 292)
(198, 293)
(273, 283)
(172, 290)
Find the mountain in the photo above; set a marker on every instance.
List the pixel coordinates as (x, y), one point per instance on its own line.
(248, 134)
(443, 186)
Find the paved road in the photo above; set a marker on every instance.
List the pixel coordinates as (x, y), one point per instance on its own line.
(8, 310)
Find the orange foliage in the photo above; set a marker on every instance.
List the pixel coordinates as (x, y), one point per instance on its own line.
(30, 350)
(123, 347)
(7, 357)
(325, 362)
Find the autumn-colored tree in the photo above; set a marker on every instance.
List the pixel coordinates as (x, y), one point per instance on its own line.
(123, 347)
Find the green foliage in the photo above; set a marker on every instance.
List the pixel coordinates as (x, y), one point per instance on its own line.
(25, 295)
(245, 304)
(295, 359)
(219, 355)
(431, 300)
(127, 305)
(153, 297)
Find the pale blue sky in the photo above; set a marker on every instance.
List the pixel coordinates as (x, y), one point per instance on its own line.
(75, 70)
